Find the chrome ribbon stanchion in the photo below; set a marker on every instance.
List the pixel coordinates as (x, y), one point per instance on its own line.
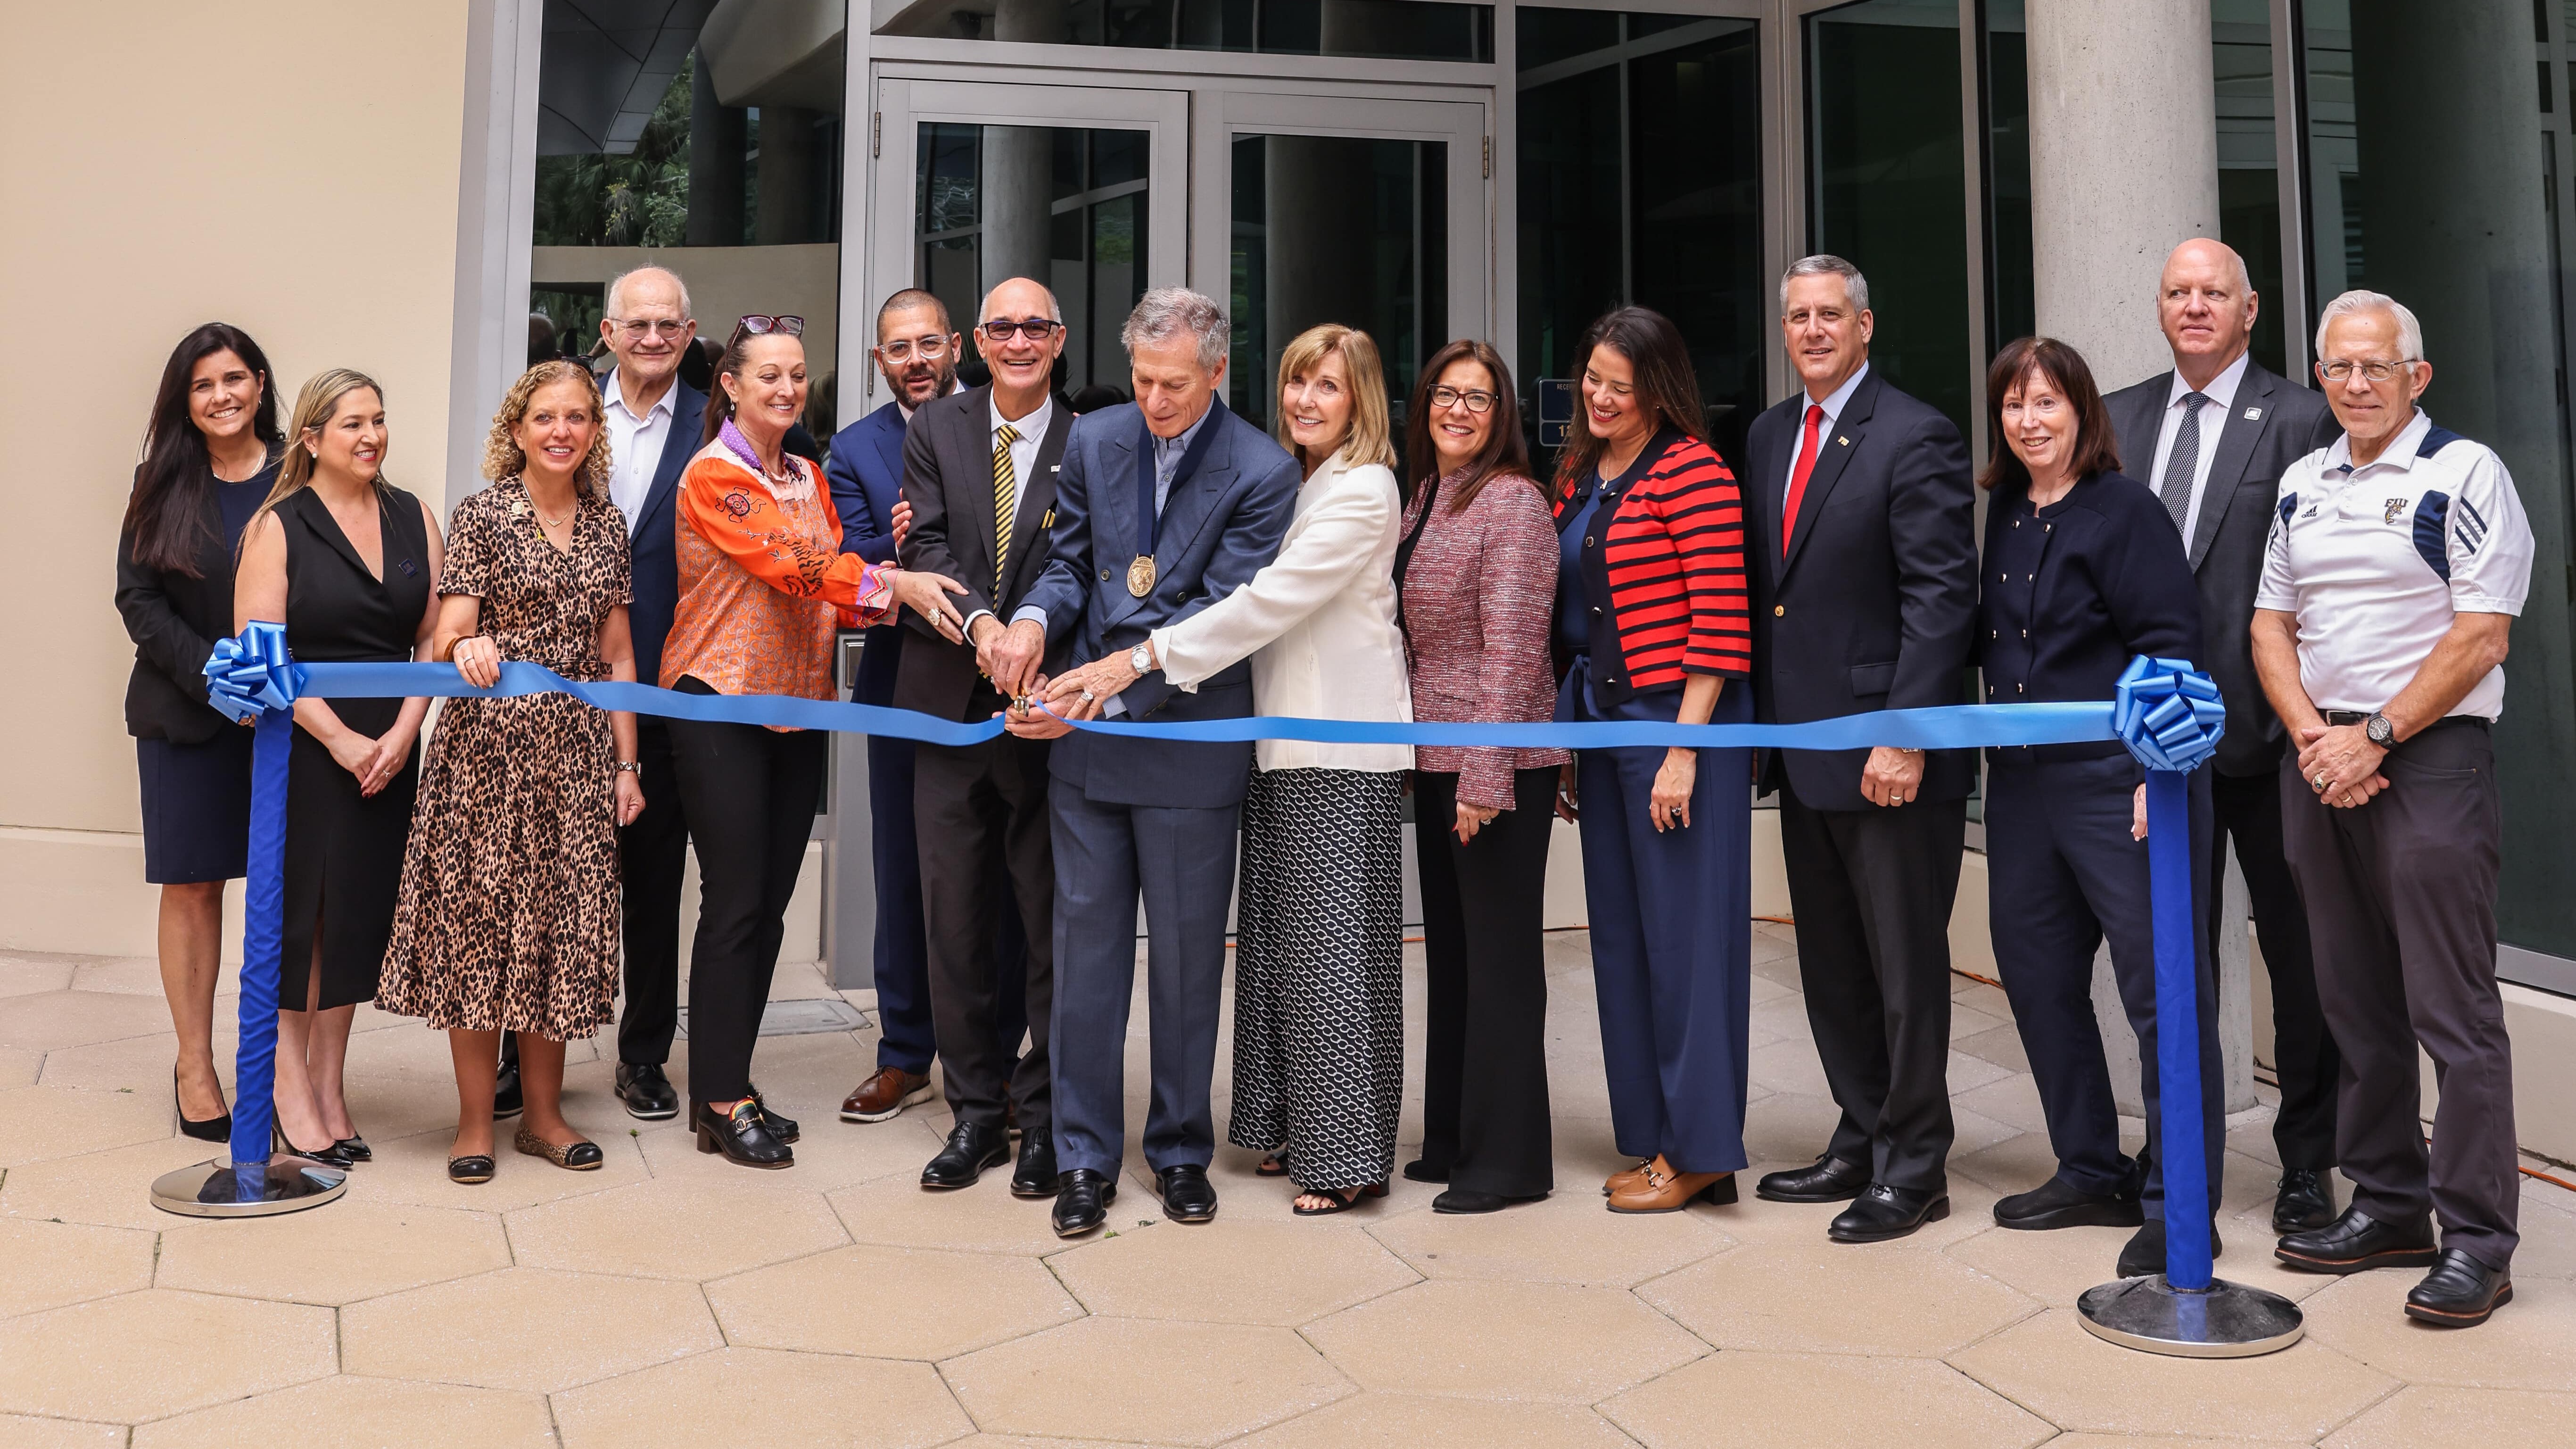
(252, 678)
(2169, 716)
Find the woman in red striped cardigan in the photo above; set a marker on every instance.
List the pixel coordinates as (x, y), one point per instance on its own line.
(1653, 623)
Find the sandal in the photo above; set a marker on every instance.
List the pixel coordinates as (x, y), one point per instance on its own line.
(1340, 1204)
(576, 1156)
(1273, 1164)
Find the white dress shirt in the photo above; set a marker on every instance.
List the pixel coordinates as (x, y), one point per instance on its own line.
(2221, 393)
(1833, 404)
(634, 447)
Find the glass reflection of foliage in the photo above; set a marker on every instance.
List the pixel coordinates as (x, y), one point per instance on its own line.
(639, 199)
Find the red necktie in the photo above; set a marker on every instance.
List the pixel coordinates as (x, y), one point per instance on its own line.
(1798, 478)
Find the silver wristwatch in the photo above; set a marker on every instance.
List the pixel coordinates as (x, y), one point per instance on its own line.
(2380, 731)
(1141, 659)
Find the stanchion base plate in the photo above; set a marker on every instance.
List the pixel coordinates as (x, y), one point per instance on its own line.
(218, 1189)
(2227, 1320)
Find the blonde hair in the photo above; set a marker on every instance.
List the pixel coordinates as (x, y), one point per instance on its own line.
(502, 455)
(1370, 439)
(314, 407)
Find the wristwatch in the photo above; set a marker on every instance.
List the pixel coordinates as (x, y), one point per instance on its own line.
(2380, 731)
(1141, 659)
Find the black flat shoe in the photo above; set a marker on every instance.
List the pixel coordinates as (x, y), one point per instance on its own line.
(2058, 1203)
(476, 1168)
(2143, 1256)
(1827, 1179)
(1463, 1200)
(647, 1093)
(1418, 1170)
(782, 1128)
(2460, 1292)
(356, 1148)
(2358, 1242)
(1036, 1174)
(330, 1156)
(971, 1148)
(741, 1137)
(2306, 1202)
(509, 1099)
(573, 1157)
(1880, 1213)
(211, 1129)
(1188, 1196)
(1082, 1199)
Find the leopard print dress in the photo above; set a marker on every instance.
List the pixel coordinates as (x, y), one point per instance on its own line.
(509, 910)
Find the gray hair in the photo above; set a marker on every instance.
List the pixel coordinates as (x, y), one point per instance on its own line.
(1166, 312)
(1823, 264)
(2410, 333)
(984, 309)
(608, 299)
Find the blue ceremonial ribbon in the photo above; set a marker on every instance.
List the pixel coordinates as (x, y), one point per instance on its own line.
(252, 672)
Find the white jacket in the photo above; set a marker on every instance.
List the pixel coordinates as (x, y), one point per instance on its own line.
(1318, 622)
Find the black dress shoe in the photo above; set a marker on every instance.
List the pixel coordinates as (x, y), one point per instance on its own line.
(971, 1148)
(2143, 1256)
(2460, 1292)
(2306, 1201)
(1421, 1169)
(1827, 1179)
(782, 1128)
(1882, 1212)
(1464, 1200)
(1188, 1196)
(646, 1090)
(2358, 1242)
(508, 1099)
(2058, 1203)
(355, 1148)
(1082, 1199)
(1036, 1174)
(741, 1136)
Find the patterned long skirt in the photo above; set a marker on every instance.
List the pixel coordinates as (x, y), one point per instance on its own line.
(1319, 974)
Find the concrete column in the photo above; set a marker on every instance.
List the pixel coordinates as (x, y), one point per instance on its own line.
(1017, 186)
(717, 140)
(787, 193)
(1317, 269)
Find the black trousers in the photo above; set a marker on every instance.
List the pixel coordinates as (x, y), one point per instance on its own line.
(2248, 809)
(2401, 894)
(1872, 891)
(751, 796)
(1484, 1076)
(652, 858)
(987, 854)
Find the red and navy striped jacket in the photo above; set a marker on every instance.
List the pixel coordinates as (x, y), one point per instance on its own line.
(1671, 561)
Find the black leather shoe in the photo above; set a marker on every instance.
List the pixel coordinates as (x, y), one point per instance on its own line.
(1882, 1212)
(1421, 1169)
(646, 1090)
(2306, 1201)
(2058, 1203)
(2143, 1256)
(740, 1136)
(971, 1148)
(331, 1156)
(2358, 1242)
(1188, 1196)
(1082, 1199)
(210, 1129)
(1036, 1174)
(507, 1098)
(1827, 1179)
(2460, 1292)
(782, 1128)
(355, 1148)
(1467, 1200)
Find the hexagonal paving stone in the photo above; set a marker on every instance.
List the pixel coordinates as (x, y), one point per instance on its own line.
(19, 1068)
(139, 1064)
(666, 1229)
(2051, 1366)
(891, 1302)
(831, 1154)
(1182, 1383)
(112, 1188)
(2161, 1441)
(526, 1328)
(1813, 1296)
(149, 1354)
(23, 974)
(2056, 1267)
(1488, 1340)
(348, 1410)
(1415, 1421)
(2448, 1418)
(52, 1264)
(351, 1251)
(1775, 1398)
(756, 1396)
(47, 1021)
(1565, 1239)
(18, 1431)
(1231, 1271)
(984, 1218)
(37, 1123)
(2530, 1343)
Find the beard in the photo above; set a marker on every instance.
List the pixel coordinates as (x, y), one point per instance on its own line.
(941, 378)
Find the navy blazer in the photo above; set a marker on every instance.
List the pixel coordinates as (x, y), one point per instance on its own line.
(653, 552)
(1218, 529)
(865, 472)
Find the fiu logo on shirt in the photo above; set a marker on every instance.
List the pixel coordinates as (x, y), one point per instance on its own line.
(2395, 507)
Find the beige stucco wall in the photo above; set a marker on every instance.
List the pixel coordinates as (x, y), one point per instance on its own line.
(286, 165)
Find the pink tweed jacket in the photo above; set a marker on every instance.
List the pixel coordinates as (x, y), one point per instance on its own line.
(1478, 592)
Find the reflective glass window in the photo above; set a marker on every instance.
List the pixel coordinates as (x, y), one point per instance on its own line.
(1371, 29)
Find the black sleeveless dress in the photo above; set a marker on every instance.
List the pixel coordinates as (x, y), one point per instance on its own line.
(344, 853)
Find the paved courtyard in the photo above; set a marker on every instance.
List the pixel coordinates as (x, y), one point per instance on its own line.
(672, 1300)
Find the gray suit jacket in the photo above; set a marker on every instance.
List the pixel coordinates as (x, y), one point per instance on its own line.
(2272, 424)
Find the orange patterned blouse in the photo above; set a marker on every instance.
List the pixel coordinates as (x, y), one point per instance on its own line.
(763, 583)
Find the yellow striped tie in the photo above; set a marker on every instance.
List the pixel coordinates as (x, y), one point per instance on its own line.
(1005, 485)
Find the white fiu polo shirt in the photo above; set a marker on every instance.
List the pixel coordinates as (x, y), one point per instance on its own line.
(2374, 561)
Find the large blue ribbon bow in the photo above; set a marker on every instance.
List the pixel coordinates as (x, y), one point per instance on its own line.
(2167, 713)
(253, 672)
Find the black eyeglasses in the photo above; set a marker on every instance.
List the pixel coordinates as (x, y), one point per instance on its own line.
(759, 324)
(1036, 329)
(1476, 399)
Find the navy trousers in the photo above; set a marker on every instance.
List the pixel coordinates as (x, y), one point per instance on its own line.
(2063, 875)
(1182, 863)
(1672, 942)
(902, 953)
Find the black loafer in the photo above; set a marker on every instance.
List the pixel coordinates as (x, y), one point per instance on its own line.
(2058, 1203)
(476, 1168)
(782, 1128)
(2460, 1292)
(2306, 1201)
(1827, 1179)
(508, 1099)
(1082, 1199)
(1188, 1196)
(1881, 1212)
(1036, 1174)
(2143, 1256)
(971, 1148)
(2358, 1242)
(646, 1091)
(741, 1136)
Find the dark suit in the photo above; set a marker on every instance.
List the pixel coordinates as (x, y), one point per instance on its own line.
(2247, 457)
(982, 808)
(1868, 606)
(1138, 815)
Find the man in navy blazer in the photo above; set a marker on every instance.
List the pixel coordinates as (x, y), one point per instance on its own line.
(1862, 516)
(1162, 507)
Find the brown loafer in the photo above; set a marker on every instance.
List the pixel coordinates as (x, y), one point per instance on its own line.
(1627, 1177)
(888, 1092)
(1663, 1190)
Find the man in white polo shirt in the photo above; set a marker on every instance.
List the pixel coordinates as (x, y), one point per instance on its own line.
(2398, 557)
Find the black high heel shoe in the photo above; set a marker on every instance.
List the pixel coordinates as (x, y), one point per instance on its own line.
(212, 1129)
(331, 1156)
(356, 1147)
(741, 1136)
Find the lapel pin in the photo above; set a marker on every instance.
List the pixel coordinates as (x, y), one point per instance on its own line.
(2253, 415)
(1842, 442)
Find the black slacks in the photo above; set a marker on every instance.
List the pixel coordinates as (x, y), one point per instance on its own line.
(2248, 809)
(1872, 891)
(1484, 1076)
(751, 795)
(987, 852)
(652, 859)
(2401, 894)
